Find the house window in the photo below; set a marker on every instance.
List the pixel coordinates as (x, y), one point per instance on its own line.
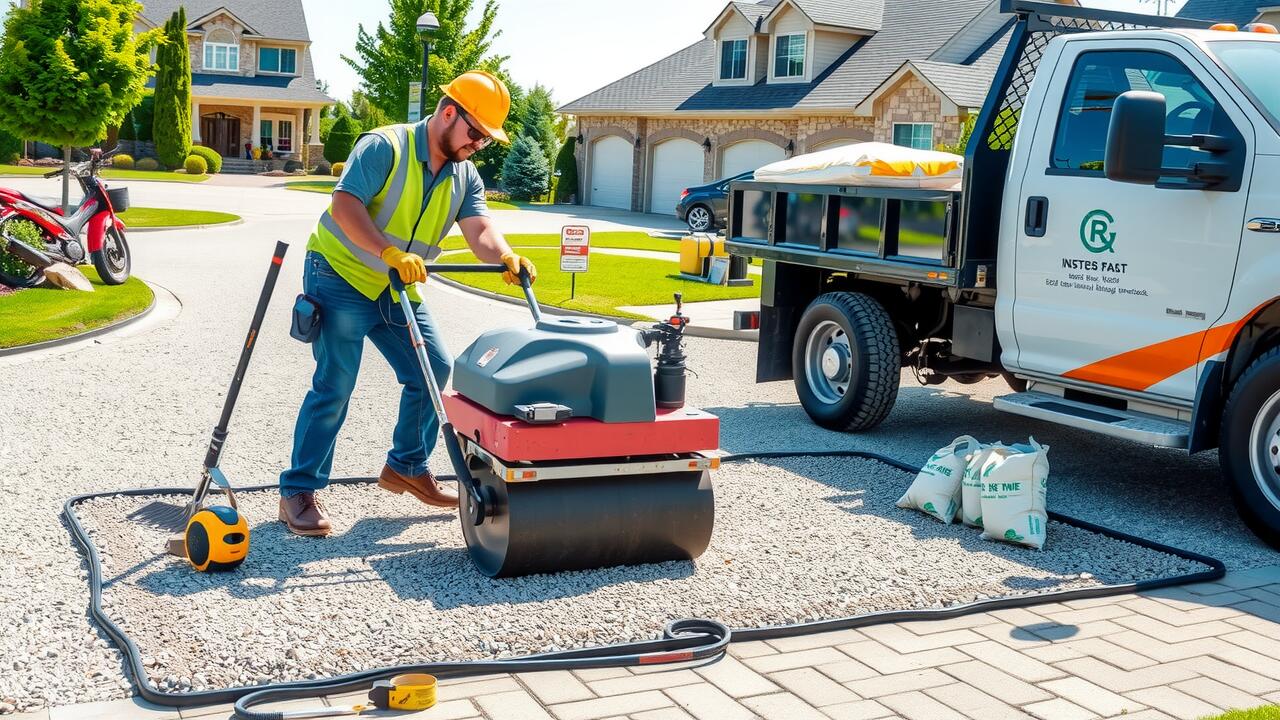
(281, 60)
(788, 56)
(913, 135)
(733, 59)
(284, 143)
(264, 139)
(221, 51)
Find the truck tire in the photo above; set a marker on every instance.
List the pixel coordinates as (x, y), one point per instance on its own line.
(1250, 451)
(846, 361)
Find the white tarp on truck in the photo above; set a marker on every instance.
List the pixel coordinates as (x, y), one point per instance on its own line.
(869, 163)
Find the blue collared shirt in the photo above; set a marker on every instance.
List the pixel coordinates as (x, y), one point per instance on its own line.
(371, 161)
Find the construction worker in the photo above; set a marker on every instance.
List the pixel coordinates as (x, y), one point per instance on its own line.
(402, 190)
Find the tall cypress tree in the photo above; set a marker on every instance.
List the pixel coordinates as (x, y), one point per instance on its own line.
(172, 124)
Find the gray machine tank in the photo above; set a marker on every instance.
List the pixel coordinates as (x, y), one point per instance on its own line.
(592, 366)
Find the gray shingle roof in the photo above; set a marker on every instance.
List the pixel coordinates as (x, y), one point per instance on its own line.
(278, 19)
(753, 11)
(1234, 11)
(682, 82)
(861, 14)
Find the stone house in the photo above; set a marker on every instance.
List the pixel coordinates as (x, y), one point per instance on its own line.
(773, 78)
(252, 81)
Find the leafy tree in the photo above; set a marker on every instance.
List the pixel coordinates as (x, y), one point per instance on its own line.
(172, 122)
(342, 137)
(524, 174)
(389, 58)
(367, 115)
(539, 120)
(567, 166)
(10, 148)
(966, 130)
(70, 70)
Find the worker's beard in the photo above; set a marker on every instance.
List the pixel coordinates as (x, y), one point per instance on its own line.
(456, 153)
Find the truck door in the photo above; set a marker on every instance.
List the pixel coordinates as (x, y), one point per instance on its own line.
(1117, 282)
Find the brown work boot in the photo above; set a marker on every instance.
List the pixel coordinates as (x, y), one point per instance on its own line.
(424, 487)
(303, 515)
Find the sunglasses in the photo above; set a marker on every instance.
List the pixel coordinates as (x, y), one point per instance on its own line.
(473, 133)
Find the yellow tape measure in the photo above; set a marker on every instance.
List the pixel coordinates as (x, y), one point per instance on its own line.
(412, 691)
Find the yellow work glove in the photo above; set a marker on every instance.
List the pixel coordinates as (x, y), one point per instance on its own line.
(410, 266)
(514, 262)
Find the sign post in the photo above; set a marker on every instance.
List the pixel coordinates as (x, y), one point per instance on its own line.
(415, 102)
(575, 252)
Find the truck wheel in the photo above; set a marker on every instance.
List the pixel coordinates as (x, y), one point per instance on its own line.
(1250, 452)
(846, 361)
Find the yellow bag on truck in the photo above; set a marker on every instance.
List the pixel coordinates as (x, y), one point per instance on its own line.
(869, 163)
(1015, 494)
(971, 485)
(936, 489)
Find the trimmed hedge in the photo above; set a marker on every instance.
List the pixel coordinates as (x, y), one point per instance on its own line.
(147, 164)
(211, 158)
(196, 165)
(122, 162)
(566, 184)
(342, 138)
(337, 169)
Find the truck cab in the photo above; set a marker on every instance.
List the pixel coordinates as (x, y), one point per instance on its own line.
(1114, 251)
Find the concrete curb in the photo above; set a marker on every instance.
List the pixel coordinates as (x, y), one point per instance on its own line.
(167, 228)
(96, 332)
(691, 330)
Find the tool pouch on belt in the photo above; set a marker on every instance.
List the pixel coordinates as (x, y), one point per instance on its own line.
(306, 318)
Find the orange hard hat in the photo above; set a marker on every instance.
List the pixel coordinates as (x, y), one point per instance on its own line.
(484, 97)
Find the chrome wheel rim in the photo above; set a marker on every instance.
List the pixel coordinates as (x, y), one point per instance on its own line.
(828, 362)
(699, 218)
(1264, 449)
(113, 249)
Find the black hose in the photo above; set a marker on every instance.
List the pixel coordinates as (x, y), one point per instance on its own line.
(682, 640)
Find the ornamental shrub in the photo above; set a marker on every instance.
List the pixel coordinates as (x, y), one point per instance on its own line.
(196, 165)
(147, 164)
(122, 161)
(211, 158)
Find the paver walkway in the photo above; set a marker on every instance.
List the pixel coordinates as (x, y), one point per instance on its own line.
(1183, 652)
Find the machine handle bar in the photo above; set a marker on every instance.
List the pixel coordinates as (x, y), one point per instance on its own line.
(525, 284)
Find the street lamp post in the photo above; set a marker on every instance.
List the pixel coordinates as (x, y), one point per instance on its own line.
(427, 27)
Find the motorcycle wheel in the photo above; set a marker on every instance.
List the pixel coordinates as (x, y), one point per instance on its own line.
(13, 271)
(113, 260)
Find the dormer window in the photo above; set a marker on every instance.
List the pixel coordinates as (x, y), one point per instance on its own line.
(788, 56)
(733, 59)
(221, 51)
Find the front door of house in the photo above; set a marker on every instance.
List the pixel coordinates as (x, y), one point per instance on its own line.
(222, 133)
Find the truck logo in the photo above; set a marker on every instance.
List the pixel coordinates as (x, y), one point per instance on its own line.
(1095, 232)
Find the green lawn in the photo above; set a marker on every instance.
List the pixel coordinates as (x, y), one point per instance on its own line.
(617, 239)
(315, 186)
(143, 217)
(112, 173)
(499, 205)
(613, 281)
(39, 314)
(1268, 712)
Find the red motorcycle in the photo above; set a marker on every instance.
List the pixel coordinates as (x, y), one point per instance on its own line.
(22, 261)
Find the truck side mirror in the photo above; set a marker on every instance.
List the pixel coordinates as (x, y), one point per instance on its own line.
(1135, 138)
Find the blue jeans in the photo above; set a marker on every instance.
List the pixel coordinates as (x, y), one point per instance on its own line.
(348, 318)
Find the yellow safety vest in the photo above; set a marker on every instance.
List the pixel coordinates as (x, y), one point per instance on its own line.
(398, 211)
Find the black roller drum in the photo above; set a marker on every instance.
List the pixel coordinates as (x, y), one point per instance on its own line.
(556, 525)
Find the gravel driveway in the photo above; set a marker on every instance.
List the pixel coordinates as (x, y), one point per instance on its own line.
(137, 412)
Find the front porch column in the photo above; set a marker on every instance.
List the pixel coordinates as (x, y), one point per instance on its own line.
(315, 126)
(255, 132)
(195, 122)
(295, 142)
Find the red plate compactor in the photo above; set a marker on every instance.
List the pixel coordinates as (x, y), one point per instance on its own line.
(572, 451)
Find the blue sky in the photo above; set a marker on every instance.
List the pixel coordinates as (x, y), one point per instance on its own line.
(571, 46)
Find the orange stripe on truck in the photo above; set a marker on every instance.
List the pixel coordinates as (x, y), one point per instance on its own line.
(1140, 369)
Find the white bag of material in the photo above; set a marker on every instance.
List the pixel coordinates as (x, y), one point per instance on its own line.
(936, 489)
(1014, 494)
(869, 163)
(971, 485)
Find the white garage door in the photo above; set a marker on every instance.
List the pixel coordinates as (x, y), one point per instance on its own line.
(749, 155)
(611, 173)
(677, 164)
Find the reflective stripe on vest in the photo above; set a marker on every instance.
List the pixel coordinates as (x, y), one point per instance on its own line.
(396, 210)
